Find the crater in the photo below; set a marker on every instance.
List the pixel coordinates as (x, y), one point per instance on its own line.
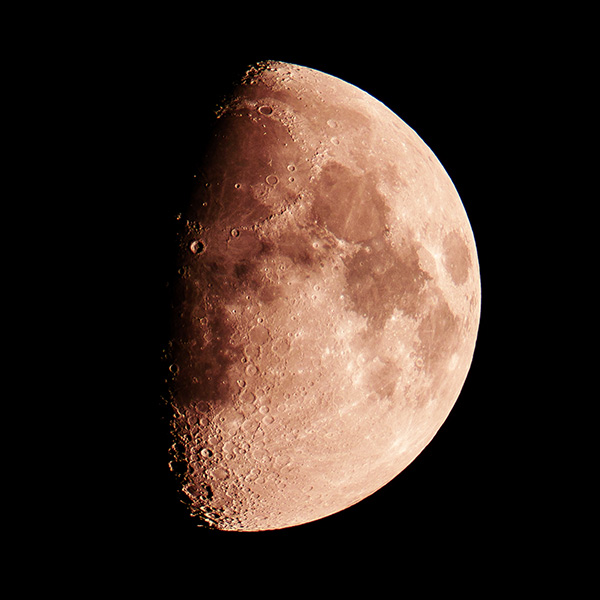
(265, 110)
(197, 247)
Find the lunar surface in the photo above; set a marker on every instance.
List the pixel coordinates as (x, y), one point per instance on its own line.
(326, 305)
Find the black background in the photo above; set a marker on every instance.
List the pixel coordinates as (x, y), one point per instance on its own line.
(475, 95)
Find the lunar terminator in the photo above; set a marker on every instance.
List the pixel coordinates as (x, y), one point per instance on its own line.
(326, 308)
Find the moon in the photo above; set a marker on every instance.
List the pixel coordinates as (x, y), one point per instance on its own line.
(326, 305)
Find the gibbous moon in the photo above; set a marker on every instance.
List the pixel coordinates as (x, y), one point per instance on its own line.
(326, 305)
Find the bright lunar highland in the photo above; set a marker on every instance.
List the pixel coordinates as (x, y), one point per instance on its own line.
(326, 305)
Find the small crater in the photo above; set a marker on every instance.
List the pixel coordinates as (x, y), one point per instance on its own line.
(259, 334)
(197, 247)
(264, 401)
(251, 370)
(265, 110)
(281, 346)
(220, 474)
(272, 179)
(248, 425)
(234, 233)
(202, 407)
(252, 350)
(260, 453)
